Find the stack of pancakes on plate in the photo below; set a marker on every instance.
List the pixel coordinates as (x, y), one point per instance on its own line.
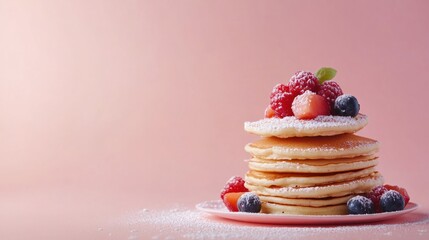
(310, 167)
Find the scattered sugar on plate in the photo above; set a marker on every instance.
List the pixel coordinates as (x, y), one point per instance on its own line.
(188, 223)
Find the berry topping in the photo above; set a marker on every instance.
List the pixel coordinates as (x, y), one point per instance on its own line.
(392, 201)
(230, 200)
(330, 90)
(279, 88)
(375, 195)
(360, 205)
(346, 105)
(281, 104)
(309, 105)
(249, 202)
(303, 81)
(269, 112)
(401, 190)
(234, 184)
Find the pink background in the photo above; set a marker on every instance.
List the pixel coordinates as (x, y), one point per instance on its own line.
(111, 106)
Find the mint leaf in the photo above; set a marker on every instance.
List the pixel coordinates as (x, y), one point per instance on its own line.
(325, 74)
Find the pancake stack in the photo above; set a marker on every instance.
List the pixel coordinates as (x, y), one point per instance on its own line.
(310, 167)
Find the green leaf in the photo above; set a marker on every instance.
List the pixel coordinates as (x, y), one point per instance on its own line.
(325, 74)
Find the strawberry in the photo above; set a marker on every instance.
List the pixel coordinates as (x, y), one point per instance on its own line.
(269, 112)
(310, 105)
(230, 200)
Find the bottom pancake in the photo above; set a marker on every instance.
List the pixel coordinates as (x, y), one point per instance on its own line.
(273, 208)
(306, 202)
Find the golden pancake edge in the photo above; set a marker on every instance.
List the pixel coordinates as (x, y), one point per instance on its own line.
(268, 179)
(328, 147)
(313, 165)
(356, 186)
(274, 208)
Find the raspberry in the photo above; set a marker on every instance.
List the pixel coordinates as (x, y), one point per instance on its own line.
(401, 190)
(279, 88)
(234, 184)
(330, 90)
(281, 103)
(375, 196)
(302, 81)
(309, 105)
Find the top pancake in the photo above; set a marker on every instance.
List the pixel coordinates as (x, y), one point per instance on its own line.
(293, 127)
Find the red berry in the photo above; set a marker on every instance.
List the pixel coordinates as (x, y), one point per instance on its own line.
(401, 190)
(302, 81)
(269, 112)
(375, 196)
(281, 103)
(230, 200)
(234, 184)
(309, 105)
(279, 88)
(330, 90)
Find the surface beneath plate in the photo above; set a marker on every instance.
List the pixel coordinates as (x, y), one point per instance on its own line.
(217, 208)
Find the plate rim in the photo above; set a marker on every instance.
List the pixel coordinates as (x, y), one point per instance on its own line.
(317, 219)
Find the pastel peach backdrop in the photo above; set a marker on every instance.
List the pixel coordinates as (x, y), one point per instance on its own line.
(109, 106)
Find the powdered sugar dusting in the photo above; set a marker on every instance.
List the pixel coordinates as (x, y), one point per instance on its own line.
(185, 223)
(302, 99)
(346, 145)
(293, 127)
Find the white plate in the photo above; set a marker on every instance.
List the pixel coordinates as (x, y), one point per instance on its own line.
(217, 208)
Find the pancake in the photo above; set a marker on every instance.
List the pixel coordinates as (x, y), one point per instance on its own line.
(268, 179)
(293, 127)
(313, 165)
(274, 208)
(356, 186)
(306, 202)
(338, 146)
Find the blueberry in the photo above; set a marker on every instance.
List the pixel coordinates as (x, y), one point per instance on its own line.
(392, 201)
(346, 105)
(360, 205)
(249, 202)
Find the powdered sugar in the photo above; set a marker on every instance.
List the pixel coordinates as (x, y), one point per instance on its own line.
(319, 121)
(293, 127)
(185, 223)
(346, 145)
(302, 99)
